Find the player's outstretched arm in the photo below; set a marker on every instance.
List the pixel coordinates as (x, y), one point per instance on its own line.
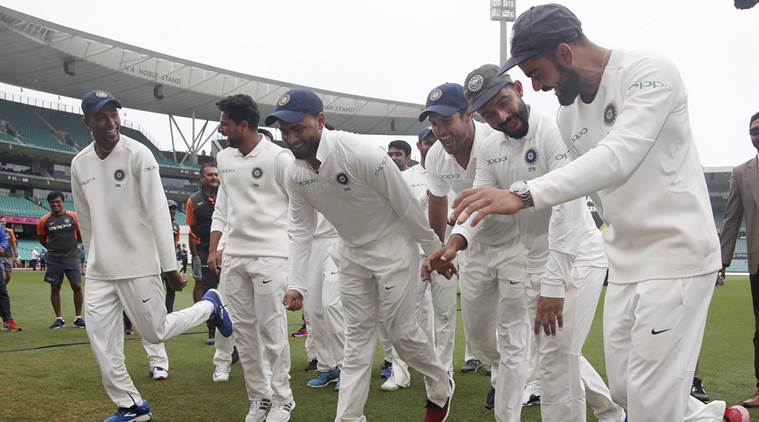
(442, 259)
(484, 201)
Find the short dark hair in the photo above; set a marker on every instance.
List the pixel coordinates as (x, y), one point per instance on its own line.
(54, 195)
(239, 108)
(205, 166)
(401, 145)
(266, 133)
(754, 117)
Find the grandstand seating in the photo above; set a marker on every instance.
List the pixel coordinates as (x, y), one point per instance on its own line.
(20, 207)
(25, 247)
(31, 128)
(180, 218)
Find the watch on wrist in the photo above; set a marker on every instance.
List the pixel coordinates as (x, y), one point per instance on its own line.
(521, 189)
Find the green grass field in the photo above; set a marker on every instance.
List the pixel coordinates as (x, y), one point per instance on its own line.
(63, 383)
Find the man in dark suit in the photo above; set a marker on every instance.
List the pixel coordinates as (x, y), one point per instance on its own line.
(743, 200)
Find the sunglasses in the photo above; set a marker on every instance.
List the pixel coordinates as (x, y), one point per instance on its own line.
(754, 131)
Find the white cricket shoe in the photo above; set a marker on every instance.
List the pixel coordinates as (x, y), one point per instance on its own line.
(258, 409)
(280, 412)
(158, 373)
(221, 373)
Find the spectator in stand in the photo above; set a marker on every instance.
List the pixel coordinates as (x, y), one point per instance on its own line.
(5, 300)
(43, 260)
(58, 231)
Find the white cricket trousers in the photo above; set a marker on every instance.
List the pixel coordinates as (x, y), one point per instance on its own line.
(652, 338)
(494, 309)
(143, 301)
(567, 379)
(436, 315)
(378, 286)
(253, 289)
(323, 307)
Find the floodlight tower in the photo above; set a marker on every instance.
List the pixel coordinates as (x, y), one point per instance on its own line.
(504, 11)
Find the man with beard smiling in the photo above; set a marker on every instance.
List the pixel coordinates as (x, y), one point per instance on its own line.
(118, 195)
(624, 115)
(358, 189)
(565, 258)
(493, 295)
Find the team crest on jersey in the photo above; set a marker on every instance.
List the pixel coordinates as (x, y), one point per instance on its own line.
(119, 175)
(531, 156)
(610, 114)
(257, 173)
(436, 94)
(283, 100)
(342, 179)
(475, 83)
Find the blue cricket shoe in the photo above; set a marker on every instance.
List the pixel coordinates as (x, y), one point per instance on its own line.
(138, 413)
(220, 316)
(325, 378)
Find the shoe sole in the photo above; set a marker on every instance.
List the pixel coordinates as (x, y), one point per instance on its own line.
(334, 381)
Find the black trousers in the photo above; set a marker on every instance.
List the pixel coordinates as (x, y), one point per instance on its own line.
(5, 300)
(754, 280)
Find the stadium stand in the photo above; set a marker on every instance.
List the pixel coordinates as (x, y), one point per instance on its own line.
(25, 247)
(31, 126)
(20, 207)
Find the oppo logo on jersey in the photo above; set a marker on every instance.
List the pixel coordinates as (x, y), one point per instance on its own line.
(227, 171)
(577, 136)
(308, 182)
(650, 84)
(450, 176)
(497, 160)
(58, 227)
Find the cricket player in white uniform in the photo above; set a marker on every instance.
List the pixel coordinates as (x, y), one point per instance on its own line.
(565, 257)
(356, 187)
(624, 115)
(127, 235)
(322, 302)
(251, 211)
(435, 301)
(493, 273)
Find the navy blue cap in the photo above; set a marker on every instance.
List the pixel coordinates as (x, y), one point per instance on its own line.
(294, 105)
(94, 101)
(423, 133)
(445, 100)
(540, 27)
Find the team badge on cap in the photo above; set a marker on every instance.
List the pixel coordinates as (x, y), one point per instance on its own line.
(436, 94)
(610, 114)
(119, 175)
(101, 94)
(475, 83)
(342, 179)
(257, 173)
(531, 156)
(283, 100)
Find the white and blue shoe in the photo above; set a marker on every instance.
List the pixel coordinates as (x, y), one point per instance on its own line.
(220, 316)
(325, 378)
(138, 413)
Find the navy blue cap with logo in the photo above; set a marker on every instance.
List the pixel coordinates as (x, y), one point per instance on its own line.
(94, 101)
(445, 100)
(423, 133)
(294, 105)
(538, 28)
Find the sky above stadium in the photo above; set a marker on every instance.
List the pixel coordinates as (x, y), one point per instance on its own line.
(400, 50)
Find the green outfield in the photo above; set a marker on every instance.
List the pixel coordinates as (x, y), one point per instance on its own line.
(40, 383)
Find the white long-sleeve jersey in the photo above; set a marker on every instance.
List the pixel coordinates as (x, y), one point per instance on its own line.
(251, 204)
(556, 239)
(123, 215)
(635, 149)
(445, 175)
(360, 191)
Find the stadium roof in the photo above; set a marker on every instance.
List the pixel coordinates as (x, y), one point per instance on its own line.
(48, 57)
